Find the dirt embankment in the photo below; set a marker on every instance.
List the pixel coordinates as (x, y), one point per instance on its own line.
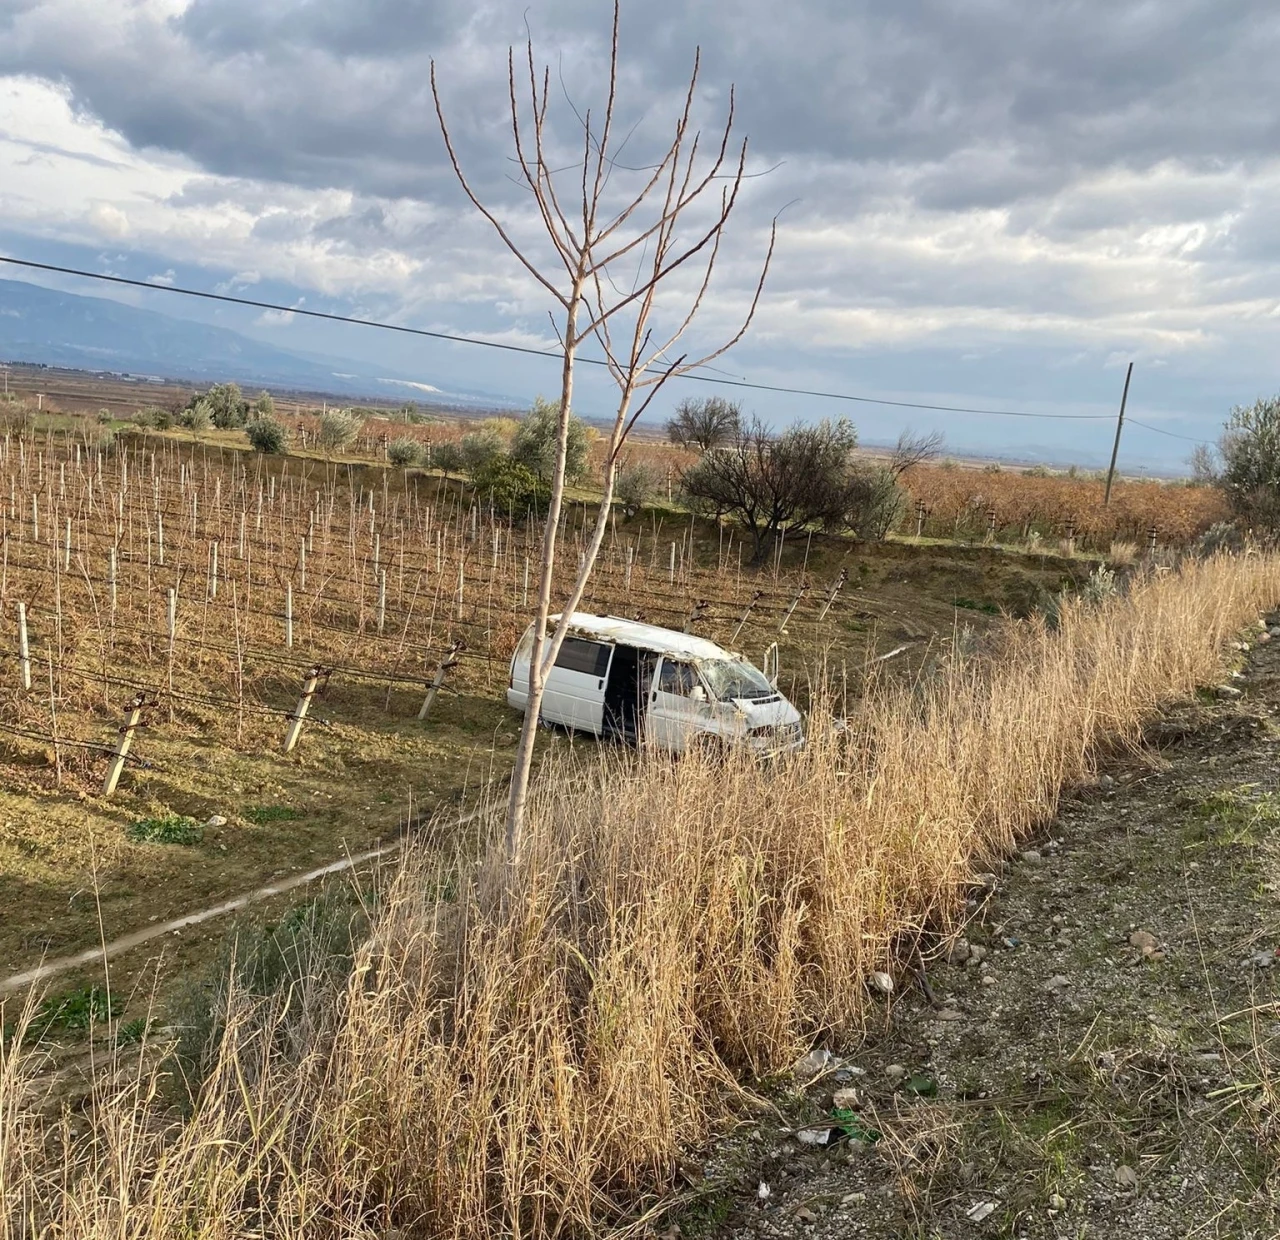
(1098, 1056)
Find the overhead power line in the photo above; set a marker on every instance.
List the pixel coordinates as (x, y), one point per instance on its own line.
(1170, 434)
(456, 338)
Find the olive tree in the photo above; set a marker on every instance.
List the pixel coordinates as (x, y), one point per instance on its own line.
(536, 444)
(625, 253)
(803, 476)
(1250, 470)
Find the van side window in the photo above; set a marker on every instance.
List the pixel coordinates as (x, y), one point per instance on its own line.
(590, 658)
(678, 678)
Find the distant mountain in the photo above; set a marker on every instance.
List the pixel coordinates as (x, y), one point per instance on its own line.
(93, 333)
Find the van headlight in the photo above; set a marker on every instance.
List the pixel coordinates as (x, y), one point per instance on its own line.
(780, 733)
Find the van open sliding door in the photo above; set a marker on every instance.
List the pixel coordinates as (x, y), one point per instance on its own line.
(574, 695)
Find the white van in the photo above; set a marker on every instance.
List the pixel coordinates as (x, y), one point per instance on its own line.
(637, 682)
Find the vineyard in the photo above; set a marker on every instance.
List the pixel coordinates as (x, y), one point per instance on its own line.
(230, 604)
(1015, 505)
(1009, 505)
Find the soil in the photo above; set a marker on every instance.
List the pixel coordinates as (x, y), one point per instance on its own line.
(1108, 1068)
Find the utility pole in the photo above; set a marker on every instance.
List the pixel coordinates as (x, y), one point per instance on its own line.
(1115, 447)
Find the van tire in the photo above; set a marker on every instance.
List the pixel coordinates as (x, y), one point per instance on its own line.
(710, 747)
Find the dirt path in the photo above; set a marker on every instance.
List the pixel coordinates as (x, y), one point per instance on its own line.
(1098, 1059)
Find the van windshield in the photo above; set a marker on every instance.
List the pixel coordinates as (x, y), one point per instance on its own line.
(735, 678)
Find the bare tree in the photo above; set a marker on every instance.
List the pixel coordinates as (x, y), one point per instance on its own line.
(704, 424)
(912, 449)
(618, 250)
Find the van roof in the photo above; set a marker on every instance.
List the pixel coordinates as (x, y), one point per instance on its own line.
(650, 636)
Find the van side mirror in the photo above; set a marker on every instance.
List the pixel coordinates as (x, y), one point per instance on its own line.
(698, 693)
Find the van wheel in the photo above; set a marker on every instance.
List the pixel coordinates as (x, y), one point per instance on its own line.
(710, 748)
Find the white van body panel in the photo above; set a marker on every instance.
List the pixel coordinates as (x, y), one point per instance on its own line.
(677, 703)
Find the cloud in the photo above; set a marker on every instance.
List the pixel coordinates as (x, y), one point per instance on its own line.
(1071, 180)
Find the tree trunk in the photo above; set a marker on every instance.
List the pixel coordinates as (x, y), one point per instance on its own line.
(518, 796)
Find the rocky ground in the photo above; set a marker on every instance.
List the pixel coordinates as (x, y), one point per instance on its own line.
(1099, 1055)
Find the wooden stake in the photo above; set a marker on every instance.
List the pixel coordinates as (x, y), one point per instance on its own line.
(831, 598)
(755, 598)
(288, 614)
(116, 765)
(24, 650)
(309, 682)
(450, 660)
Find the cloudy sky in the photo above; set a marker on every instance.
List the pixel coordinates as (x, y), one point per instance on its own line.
(983, 203)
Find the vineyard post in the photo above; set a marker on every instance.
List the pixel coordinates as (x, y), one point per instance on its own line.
(213, 570)
(696, 614)
(991, 525)
(919, 518)
(288, 615)
(449, 661)
(1151, 542)
(24, 648)
(53, 722)
(309, 682)
(1071, 538)
(795, 602)
(116, 765)
(382, 599)
(831, 597)
(111, 582)
(1115, 447)
(755, 598)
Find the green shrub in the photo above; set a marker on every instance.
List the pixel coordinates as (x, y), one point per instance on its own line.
(227, 406)
(197, 417)
(447, 457)
(479, 449)
(510, 487)
(1221, 536)
(267, 435)
(169, 829)
(638, 483)
(535, 443)
(404, 452)
(154, 418)
(338, 429)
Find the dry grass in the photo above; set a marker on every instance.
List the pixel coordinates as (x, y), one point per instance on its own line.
(529, 1055)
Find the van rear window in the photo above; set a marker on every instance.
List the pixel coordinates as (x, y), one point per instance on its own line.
(590, 658)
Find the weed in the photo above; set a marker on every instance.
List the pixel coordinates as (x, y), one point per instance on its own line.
(968, 604)
(262, 815)
(132, 1032)
(1232, 817)
(75, 1011)
(170, 829)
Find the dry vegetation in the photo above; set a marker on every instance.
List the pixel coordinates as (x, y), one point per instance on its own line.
(526, 1050)
(958, 503)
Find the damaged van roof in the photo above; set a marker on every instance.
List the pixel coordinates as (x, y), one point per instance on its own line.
(648, 636)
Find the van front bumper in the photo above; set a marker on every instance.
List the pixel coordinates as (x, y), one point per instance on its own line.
(775, 739)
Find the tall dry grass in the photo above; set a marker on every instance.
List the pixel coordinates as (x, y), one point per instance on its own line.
(528, 1056)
